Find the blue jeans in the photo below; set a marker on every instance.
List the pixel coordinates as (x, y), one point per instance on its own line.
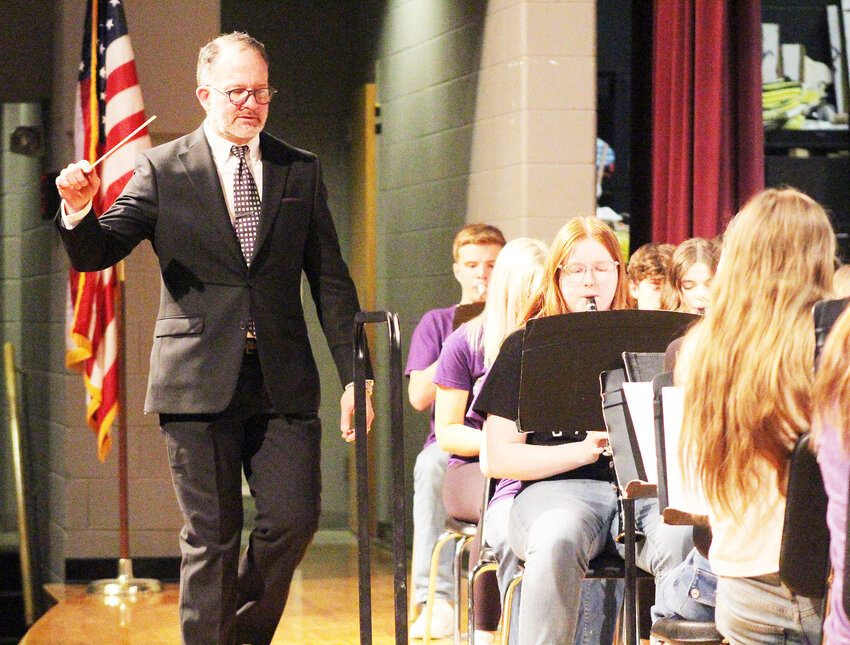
(429, 521)
(764, 611)
(665, 546)
(558, 527)
(689, 591)
(600, 599)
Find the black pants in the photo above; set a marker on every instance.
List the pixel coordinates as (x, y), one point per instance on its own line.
(222, 599)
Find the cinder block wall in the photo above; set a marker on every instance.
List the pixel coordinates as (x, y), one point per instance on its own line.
(488, 114)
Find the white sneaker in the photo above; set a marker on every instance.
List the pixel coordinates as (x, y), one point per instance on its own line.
(484, 637)
(442, 621)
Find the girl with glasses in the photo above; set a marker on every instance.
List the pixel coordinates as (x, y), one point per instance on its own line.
(565, 513)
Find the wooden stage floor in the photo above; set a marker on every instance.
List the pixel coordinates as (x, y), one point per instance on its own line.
(322, 607)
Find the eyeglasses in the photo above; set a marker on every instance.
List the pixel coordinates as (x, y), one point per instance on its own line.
(239, 96)
(602, 272)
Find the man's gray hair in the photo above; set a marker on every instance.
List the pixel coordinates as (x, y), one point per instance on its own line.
(210, 51)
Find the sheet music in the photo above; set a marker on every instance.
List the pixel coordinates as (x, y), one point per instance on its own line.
(639, 402)
(692, 501)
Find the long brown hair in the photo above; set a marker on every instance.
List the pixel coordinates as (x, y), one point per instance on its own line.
(749, 369)
(548, 301)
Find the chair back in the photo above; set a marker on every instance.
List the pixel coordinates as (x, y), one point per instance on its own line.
(804, 553)
(825, 313)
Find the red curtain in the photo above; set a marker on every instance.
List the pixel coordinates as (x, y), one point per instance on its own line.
(708, 139)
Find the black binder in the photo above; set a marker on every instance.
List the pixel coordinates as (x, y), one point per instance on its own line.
(563, 356)
(643, 366)
(628, 462)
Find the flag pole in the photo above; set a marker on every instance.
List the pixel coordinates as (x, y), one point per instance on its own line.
(108, 15)
(123, 495)
(125, 584)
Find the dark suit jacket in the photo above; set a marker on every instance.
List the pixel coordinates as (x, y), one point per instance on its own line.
(175, 200)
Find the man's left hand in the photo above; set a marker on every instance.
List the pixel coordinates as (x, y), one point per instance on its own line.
(346, 405)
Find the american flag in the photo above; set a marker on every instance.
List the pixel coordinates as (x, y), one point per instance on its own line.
(108, 108)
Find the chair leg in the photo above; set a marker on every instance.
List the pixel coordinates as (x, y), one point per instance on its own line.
(480, 567)
(508, 607)
(432, 582)
(457, 575)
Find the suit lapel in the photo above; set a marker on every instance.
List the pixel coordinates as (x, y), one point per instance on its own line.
(200, 170)
(275, 170)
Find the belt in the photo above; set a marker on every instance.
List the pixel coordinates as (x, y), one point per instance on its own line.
(250, 345)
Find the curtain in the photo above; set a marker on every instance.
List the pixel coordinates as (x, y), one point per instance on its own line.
(708, 138)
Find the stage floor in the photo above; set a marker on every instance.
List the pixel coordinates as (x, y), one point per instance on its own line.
(322, 607)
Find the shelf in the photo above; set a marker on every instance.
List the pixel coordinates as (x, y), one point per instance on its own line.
(823, 141)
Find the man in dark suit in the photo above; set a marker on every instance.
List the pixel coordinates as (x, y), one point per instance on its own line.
(234, 216)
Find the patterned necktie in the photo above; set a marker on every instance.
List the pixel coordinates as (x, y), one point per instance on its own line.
(246, 204)
(246, 208)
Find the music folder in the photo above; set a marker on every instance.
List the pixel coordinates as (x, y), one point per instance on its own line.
(563, 356)
(465, 313)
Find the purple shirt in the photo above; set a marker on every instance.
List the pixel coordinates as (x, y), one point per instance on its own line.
(505, 489)
(461, 367)
(426, 343)
(835, 467)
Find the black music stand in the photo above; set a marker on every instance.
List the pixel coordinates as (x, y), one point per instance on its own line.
(563, 356)
(465, 313)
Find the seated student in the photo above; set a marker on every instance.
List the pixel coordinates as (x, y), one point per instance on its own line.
(747, 373)
(689, 275)
(474, 250)
(460, 372)
(831, 432)
(647, 271)
(566, 511)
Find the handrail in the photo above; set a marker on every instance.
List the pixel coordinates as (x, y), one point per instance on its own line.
(361, 319)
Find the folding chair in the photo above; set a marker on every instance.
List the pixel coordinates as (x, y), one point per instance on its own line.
(486, 559)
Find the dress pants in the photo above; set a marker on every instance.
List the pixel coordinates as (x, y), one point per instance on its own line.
(223, 599)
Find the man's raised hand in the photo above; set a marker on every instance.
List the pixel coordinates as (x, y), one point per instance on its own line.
(77, 185)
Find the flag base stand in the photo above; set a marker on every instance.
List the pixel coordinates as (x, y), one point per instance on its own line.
(125, 584)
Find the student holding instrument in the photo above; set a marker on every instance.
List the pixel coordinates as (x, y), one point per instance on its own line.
(689, 274)
(566, 511)
(464, 360)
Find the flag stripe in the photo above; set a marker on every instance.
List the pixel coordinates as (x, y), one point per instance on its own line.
(109, 107)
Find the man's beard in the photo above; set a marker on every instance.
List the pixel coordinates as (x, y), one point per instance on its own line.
(236, 129)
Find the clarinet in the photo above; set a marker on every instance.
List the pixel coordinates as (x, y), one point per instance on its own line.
(590, 304)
